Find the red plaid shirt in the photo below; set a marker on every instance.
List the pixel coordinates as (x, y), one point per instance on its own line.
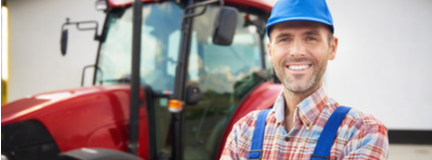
(360, 135)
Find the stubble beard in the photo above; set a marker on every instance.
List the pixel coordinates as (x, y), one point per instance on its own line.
(301, 88)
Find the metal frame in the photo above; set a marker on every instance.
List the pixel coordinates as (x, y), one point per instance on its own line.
(101, 39)
(88, 66)
(135, 78)
(205, 3)
(180, 79)
(96, 36)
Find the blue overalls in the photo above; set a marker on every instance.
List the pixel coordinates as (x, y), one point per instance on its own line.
(325, 141)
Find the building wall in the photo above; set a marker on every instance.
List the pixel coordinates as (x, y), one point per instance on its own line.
(382, 65)
(36, 63)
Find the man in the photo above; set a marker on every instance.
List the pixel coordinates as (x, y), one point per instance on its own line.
(301, 43)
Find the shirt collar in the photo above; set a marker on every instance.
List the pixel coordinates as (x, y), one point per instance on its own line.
(307, 110)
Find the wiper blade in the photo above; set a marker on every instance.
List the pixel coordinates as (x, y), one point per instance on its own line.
(125, 79)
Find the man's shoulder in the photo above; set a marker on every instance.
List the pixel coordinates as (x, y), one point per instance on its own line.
(249, 118)
(362, 119)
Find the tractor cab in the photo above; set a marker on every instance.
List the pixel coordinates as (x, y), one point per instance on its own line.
(223, 74)
(170, 79)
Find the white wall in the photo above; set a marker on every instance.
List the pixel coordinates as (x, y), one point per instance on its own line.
(384, 62)
(36, 63)
(383, 65)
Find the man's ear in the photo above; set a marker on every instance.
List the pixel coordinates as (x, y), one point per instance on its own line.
(269, 52)
(333, 48)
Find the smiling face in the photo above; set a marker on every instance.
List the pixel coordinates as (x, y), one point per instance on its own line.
(299, 51)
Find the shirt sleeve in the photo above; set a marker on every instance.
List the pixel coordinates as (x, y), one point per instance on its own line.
(238, 142)
(230, 150)
(370, 142)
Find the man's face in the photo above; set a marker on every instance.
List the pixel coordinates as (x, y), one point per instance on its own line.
(299, 51)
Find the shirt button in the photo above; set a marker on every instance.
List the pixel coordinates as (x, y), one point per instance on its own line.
(287, 138)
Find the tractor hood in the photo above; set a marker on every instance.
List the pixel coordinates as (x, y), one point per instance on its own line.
(75, 118)
(36, 106)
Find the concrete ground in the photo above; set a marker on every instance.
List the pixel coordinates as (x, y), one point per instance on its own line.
(408, 152)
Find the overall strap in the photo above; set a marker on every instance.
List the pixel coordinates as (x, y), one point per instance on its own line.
(258, 136)
(328, 135)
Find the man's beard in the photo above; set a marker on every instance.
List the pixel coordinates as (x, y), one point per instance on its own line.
(309, 83)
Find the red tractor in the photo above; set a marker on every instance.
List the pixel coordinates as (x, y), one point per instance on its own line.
(171, 78)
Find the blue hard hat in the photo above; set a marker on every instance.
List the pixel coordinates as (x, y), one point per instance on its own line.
(300, 10)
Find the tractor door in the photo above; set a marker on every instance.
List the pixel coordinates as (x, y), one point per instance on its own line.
(225, 76)
(159, 40)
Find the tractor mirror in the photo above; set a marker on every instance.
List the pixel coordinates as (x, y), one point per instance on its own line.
(64, 34)
(225, 26)
(193, 94)
(63, 41)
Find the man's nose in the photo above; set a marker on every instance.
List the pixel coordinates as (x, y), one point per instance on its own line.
(297, 49)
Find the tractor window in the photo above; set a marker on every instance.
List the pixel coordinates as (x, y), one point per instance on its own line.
(225, 74)
(160, 43)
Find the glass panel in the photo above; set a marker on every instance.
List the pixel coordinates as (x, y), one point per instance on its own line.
(163, 133)
(224, 74)
(160, 43)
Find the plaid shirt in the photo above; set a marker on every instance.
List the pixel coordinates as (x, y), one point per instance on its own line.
(360, 136)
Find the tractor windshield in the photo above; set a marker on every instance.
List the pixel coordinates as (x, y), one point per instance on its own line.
(160, 40)
(225, 74)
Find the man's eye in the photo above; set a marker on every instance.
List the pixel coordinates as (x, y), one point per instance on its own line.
(284, 40)
(311, 39)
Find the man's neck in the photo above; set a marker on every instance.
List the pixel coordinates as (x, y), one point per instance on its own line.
(291, 102)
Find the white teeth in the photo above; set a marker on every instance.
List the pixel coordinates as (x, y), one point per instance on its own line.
(298, 67)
